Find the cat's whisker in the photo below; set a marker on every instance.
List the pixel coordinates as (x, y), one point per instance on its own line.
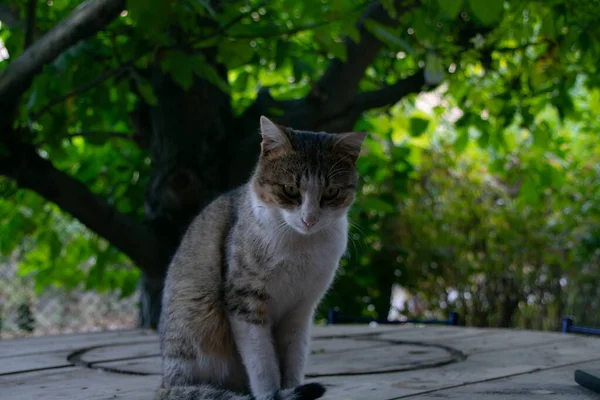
(357, 227)
(337, 162)
(361, 235)
(336, 173)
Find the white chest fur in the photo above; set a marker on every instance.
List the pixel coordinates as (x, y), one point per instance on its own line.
(303, 267)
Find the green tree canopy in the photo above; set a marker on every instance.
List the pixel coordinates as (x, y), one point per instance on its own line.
(130, 116)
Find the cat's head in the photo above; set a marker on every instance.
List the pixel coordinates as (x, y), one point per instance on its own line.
(308, 177)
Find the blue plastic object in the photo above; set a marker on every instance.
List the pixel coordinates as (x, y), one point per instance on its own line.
(588, 379)
(569, 327)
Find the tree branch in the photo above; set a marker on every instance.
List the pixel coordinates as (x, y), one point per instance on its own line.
(334, 94)
(8, 17)
(30, 27)
(340, 81)
(391, 94)
(97, 134)
(33, 172)
(388, 95)
(85, 21)
(115, 72)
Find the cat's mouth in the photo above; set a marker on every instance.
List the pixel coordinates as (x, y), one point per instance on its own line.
(304, 225)
(305, 229)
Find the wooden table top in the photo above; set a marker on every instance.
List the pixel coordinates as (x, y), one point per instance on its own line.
(354, 362)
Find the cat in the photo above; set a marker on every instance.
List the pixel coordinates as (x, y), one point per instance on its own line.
(242, 288)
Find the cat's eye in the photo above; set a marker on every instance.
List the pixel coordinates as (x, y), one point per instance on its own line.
(331, 193)
(291, 191)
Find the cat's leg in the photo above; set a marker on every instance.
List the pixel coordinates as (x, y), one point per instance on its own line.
(255, 345)
(179, 358)
(179, 372)
(292, 338)
(247, 305)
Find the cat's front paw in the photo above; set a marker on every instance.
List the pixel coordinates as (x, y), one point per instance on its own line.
(309, 391)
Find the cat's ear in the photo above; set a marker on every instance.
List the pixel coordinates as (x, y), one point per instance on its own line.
(273, 136)
(349, 144)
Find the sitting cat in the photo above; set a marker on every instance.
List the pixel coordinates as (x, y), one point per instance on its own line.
(243, 286)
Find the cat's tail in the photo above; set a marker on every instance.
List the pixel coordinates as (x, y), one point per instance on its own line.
(309, 391)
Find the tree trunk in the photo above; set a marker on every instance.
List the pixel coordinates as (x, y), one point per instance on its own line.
(189, 140)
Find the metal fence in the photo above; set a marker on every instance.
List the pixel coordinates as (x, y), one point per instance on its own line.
(23, 312)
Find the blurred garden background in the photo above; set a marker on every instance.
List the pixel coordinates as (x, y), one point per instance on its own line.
(120, 120)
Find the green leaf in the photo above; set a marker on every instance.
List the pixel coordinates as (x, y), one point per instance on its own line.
(549, 26)
(280, 53)
(338, 49)
(235, 53)
(484, 139)
(301, 68)
(179, 65)
(147, 93)
(530, 191)
(377, 205)
(388, 35)
(241, 81)
(462, 140)
(209, 42)
(541, 136)
(203, 5)
(14, 42)
(487, 12)
(450, 7)
(206, 71)
(151, 16)
(498, 141)
(129, 285)
(60, 5)
(353, 33)
(390, 7)
(418, 126)
(434, 70)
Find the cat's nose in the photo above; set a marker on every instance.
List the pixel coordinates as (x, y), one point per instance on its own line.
(309, 220)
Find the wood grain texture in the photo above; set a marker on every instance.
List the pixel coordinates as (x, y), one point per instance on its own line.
(494, 364)
(551, 384)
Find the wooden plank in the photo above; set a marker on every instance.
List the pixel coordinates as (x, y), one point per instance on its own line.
(76, 383)
(69, 383)
(334, 346)
(493, 355)
(434, 333)
(56, 359)
(361, 361)
(499, 340)
(551, 384)
(53, 343)
(375, 360)
(149, 366)
(476, 368)
(492, 362)
(122, 351)
(23, 354)
(477, 341)
(146, 349)
(319, 331)
(11, 365)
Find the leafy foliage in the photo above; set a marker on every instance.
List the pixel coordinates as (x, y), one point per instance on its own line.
(513, 119)
(505, 239)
